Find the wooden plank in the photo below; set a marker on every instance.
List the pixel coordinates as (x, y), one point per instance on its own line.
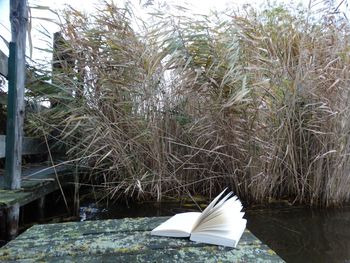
(3, 64)
(33, 146)
(40, 171)
(36, 183)
(30, 146)
(9, 198)
(124, 240)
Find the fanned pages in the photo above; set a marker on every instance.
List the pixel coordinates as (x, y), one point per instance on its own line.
(221, 223)
(180, 225)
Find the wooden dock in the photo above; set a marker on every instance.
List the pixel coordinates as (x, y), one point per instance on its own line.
(36, 182)
(124, 240)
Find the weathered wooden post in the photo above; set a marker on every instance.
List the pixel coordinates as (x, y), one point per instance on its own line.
(41, 208)
(64, 63)
(62, 66)
(14, 134)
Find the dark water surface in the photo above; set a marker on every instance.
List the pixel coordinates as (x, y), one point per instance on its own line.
(304, 234)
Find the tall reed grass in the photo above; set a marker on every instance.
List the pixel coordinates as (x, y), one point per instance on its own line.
(254, 100)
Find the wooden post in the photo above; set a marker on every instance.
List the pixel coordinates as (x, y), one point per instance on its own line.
(76, 192)
(14, 134)
(16, 72)
(2, 227)
(12, 218)
(62, 67)
(41, 208)
(13, 156)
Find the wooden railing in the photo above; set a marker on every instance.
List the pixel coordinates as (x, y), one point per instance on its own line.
(39, 176)
(13, 146)
(30, 146)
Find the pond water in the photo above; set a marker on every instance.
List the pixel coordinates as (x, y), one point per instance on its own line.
(302, 234)
(296, 234)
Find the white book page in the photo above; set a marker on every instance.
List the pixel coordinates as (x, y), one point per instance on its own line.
(228, 238)
(232, 205)
(224, 222)
(212, 207)
(179, 225)
(229, 210)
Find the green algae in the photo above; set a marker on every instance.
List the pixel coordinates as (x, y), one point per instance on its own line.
(122, 240)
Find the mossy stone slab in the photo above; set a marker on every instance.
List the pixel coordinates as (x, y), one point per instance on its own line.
(124, 240)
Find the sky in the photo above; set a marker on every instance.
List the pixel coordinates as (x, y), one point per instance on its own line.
(85, 5)
(200, 6)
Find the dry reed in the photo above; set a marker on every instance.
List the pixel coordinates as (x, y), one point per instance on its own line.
(257, 101)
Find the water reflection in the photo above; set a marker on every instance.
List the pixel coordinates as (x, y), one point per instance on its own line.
(304, 234)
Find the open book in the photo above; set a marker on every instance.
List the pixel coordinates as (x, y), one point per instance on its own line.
(221, 223)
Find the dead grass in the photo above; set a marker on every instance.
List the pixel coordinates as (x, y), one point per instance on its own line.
(253, 101)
